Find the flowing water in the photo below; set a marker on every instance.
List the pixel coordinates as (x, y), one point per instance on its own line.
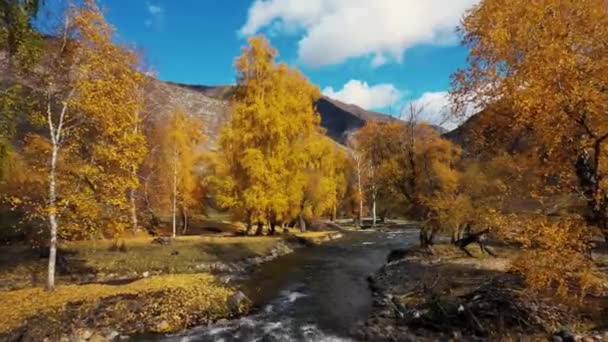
(313, 294)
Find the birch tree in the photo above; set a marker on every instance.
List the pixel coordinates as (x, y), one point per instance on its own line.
(181, 152)
(88, 89)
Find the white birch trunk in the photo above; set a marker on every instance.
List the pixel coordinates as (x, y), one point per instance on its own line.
(52, 216)
(56, 136)
(373, 196)
(360, 190)
(174, 194)
(134, 222)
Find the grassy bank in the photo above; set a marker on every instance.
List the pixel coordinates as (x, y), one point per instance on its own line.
(20, 266)
(162, 287)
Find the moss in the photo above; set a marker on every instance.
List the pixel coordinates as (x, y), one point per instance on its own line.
(157, 304)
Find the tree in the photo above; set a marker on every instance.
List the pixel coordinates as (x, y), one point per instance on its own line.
(370, 144)
(180, 148)
(562, 104)
(359, 170)
(258, 174)
(540, 70)
(22, 45)
(89, 92)
(20, 40)
(322, 180)
(412, 165)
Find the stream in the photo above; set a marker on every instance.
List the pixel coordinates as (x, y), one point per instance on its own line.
(313, 294)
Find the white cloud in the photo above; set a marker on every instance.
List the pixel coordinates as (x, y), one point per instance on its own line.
(156, 16)
(379, 60)
(155, 9)
(436, 109)
(335, 30)
(365, 96)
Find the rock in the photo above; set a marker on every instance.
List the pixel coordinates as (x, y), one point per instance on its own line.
(64, 338)
(565, 336)
(238, 303)
(123, 337)
(146, 274)
(162, 240)
(556, 338)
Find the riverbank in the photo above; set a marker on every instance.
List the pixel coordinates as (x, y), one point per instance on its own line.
(136, 287)
(449, 296)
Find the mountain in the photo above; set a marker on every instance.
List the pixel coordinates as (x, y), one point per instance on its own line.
(338, 118)
(484, 132)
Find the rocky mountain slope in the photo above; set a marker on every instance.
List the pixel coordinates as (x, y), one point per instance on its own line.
(211, 103)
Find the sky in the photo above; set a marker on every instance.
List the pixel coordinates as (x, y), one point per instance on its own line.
(378, 54)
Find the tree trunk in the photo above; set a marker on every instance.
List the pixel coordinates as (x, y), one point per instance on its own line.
(374, 209)
(56, 139)
(53, 216)
(260, 229)
(334, 213)
(249, 225)
(302, 222)
(175, 194)
(184, 219)
(134, 222)
(360, 190)
(427, 237)
(371, 168)
(272, 227)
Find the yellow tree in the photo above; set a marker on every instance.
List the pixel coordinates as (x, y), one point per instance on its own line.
(90, 100)
(541, 70)
(272, 111)
(181, 150)
(320, 181)
(111, 95)
(546, 62)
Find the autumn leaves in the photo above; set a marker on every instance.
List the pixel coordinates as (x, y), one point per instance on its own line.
(274, 164)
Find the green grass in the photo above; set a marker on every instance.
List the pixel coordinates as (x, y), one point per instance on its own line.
(21, 267)
(187, 251)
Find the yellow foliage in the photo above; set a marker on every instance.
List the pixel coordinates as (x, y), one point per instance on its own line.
(269, 150)
(550, 117)
(176, 299)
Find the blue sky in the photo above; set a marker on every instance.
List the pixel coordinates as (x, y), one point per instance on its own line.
(371, 53)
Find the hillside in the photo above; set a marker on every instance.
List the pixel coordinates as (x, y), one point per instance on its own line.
(338, 118)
